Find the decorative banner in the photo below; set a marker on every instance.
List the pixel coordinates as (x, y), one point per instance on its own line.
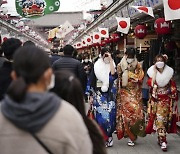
(3, 2)
(36, 8)
(144, 9)
(96, 37)
(64, 29)
(123, 25)
(104, 32)
(162, 27)
(88, 40)
(52, 33)
(79, 45)
(83, 42)
(140, 31)
(171, 9)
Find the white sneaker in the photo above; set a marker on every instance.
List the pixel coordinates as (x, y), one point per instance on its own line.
(164, 146)
(131, 143)
(109, 143)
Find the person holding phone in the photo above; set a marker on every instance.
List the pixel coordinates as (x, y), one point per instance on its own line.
(103, 88)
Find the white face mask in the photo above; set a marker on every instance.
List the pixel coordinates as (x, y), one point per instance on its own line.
(52, 82)
(106, 60)
(130, 60)
(159, 64)
(86, 60)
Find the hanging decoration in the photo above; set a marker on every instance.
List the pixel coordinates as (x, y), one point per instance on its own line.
(104, 32)
(115, 37)
(144, 9)
(96, 37)
(36, 8)
(162, 27)
(140, 31)
(103, 43)
(123, 25)
(171, 9)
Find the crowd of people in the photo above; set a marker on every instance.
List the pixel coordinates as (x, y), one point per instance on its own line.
(43, 100)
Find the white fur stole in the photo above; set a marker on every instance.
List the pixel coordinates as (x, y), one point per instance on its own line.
(102, 71)
(162, 79)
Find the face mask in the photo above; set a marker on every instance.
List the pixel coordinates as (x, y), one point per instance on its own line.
(86, 60)
(52, 82)
(130, 60)
(159, 64)
(106, 60)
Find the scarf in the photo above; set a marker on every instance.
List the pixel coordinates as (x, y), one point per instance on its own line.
(125, 67)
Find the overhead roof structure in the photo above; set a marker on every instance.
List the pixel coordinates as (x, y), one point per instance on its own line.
(58, 18)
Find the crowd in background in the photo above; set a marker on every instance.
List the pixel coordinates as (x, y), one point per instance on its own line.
(43, 99)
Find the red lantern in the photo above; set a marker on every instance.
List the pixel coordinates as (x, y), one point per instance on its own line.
(115, 37)
(103, 43)
(5, 38)
(107, 40)
(162, 27)
(140, 31)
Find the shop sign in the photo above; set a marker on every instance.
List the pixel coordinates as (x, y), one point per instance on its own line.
(145, 42)
(148, 3)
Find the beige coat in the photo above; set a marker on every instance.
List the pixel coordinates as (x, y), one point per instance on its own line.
(65, 133)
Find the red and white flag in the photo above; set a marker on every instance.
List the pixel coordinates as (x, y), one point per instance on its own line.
(104, 32)
(96, 37)
(123, 25)
(144, 9)
(88, 40)
(83, 42)
(171, 9)
(78, 45)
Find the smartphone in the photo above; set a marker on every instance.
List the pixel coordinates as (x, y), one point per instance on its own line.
(106, 55)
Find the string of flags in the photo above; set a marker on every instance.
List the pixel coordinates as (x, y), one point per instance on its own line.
(171, 12)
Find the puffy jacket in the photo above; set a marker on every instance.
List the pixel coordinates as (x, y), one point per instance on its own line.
(70, 64)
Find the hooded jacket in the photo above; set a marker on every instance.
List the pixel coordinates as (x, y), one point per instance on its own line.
(55, 122)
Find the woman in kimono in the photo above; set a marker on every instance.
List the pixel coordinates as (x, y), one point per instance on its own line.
(130, 117)
(104, 94)
(163, 94)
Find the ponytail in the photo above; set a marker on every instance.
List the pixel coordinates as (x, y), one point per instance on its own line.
(17, 89)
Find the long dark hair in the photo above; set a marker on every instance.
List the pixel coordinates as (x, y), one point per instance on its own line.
(68, 87)
(29, 64)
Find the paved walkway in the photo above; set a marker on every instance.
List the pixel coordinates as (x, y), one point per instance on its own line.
(146, 145)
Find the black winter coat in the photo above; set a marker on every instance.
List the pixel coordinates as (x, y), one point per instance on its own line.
(70, 64)
(5, 78)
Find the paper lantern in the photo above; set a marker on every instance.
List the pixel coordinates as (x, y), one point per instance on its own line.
(162, 27)
(115, 37)
(103, 43)
(140, 31)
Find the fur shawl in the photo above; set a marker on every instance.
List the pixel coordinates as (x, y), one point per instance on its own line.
(162, 79)
(102, 71)
(125, 67)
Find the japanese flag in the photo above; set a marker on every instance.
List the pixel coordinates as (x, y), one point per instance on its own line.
(83, 42)
(123, 25)
(171, 9)
(144, 9)
(104, 32)
(79, 45)
(96, 37)
(88, 40)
